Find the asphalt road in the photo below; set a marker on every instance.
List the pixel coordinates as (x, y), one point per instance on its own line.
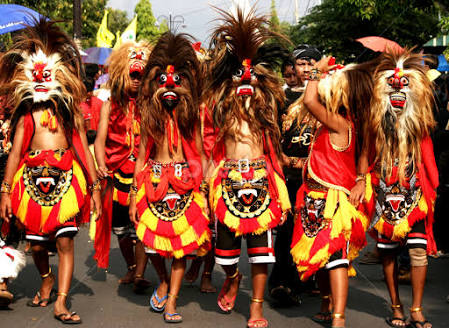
(101, 302)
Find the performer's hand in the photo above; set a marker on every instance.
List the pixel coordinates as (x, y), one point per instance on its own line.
(357, 194)
(133, 210)
(102, 172)
(323, 65)
(284, 217)
(5, 207)
(95, 204)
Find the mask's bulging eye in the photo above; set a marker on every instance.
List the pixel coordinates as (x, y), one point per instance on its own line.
(177, 79)
(239, 73)
(133, 54)
(404, 81)
(162, 79)
(390, 80)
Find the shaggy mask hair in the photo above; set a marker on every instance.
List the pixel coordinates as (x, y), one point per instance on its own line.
(120, 64)
(175, 50)
(398, 133)
(238, 39)
(43, 70)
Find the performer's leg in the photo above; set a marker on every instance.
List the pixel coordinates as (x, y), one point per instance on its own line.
(162, 290)
(259, 279)
(127, 248)
(417, 248)
(194, 269)
(390, 268)
(206, 277)
(39, 252)
(339, 290)
(178, 268)
(65, 246)
(323, 281)
(140, 283)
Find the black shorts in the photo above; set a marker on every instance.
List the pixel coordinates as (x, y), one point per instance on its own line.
(416, 238)
(339, 259)
(228, 246)
(121, 223)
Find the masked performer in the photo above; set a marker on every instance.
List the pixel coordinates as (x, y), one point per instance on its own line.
(329, 230)
(11, 262)
(405, 175)
(248, 194)
(165, 197)
(50, 172)
(116, 150)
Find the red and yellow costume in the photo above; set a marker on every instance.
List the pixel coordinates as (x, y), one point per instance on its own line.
(326, 222)
(49, 189)
(172, 220)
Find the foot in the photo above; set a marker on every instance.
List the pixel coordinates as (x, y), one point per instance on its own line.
(5, 297)
(140, 284)
(256, 318)
(129, 277)
(194, 270)
(206, 283)
(161, 293)
(63, 314)
(417, 320)
(170, 314)
(229, 292)
(325, 314)
(338, 320)
(43, 297)
(397, 319)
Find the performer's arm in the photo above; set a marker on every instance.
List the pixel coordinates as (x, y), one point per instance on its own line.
(96, 193)
(11, 168)
(358, 191)
(100, 140)
(333, 121)
(140, 162)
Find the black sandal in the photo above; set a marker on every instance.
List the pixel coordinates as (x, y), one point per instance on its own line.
(69, 321)
(415, 323)
(389, 321)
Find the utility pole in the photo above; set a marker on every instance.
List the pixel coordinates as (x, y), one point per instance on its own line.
(296, 12)
(173, 21)
(77, 22)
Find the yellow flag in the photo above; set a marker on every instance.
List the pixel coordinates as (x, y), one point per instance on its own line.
(130, 33)
(104, 36)
(118, 41)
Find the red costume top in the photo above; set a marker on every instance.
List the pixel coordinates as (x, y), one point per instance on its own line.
(91, 109)
(123, 135)
(330, 165)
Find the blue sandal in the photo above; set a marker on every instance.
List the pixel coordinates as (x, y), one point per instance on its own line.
(171, 315)
(159, 300)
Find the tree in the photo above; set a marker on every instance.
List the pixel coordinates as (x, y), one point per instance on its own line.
(117, 20)
(334, 25)
(146, 22)
(274, 19)
(62, 10)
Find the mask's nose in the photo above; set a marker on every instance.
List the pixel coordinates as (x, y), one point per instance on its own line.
(246, 77)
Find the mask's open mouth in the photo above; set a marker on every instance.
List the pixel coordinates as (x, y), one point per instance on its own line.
(170, 99)
(245, 90)
(397, 100)
(40, 88)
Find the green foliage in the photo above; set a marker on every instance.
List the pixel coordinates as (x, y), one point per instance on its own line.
(334, 25)
(117, 20)
(62, 10)
(146, 22)
(274, 19)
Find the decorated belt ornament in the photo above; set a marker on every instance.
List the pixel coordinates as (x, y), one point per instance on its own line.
(394, 203)
(172, 206)
(246, 198)
(312, 218)
(45, 184)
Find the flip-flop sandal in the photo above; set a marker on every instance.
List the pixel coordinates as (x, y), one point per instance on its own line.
(322, 320)
(49, 300)
(69, 321)
(154, 307)
(171, 315)
(5, 298)
(394, 325)
(257, 323)
(222, 296)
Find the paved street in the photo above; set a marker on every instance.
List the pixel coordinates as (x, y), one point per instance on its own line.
(101, 302)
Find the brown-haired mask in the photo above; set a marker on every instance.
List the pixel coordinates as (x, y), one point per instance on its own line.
(170, 88)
